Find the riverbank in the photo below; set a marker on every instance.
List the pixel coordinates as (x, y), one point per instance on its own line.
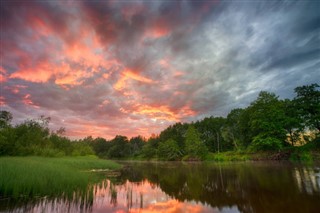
(43, 176)
(309, 153)
(284, 155)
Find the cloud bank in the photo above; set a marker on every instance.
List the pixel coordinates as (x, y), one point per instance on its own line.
(104, 68)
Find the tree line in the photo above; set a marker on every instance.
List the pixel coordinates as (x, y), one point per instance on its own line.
(267, 124)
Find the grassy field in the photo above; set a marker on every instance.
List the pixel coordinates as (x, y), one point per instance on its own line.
(40, 176)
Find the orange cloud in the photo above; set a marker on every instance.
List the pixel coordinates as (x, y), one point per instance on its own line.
(27, 101)
(157, 32)
(128, 74)
(41, 73)
(2, 101)
(159, 28)
(40, 26)
(157, 112)
(2, 74)
(2, 78)
(170, 206)
(137, 77)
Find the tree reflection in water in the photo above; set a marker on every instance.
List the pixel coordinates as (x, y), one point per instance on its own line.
(196, 187)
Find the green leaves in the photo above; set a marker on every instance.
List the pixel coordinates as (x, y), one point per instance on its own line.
(307, 103)
(194, 146)
(169, 150)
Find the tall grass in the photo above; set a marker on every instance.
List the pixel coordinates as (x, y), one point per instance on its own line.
(228, 156)
(39, 176)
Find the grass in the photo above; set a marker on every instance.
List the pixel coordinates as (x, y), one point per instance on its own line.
(227, 156)
(40, 176)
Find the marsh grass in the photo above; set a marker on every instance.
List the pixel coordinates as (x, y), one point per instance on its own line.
(228, 156)
(29, 177)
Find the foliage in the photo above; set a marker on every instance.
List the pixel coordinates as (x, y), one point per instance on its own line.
(150, 149)
(264, 143)
(136, 144)
(308, 104)
(194, 146)
(267, 124)
(267, 117)
(120, 147)
(227, 156)
(33, 137)
(169, 150)
(5, 119)
(210, 130)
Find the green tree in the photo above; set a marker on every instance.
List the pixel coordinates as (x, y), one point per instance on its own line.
(120, 147)
(101, 146)
(194, 146)
(169, 150)
(210, 130)
(307, 100)
(232, 134)
(150, 148)
(267, 119)
(136, 144)
(293, 122)
(5, 119)
(176, 132)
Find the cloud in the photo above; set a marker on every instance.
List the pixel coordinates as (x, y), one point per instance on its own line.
(104, 68)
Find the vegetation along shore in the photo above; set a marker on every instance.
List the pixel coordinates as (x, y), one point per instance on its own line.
(268, 129)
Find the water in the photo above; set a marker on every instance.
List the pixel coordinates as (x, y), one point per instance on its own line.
(192, 187)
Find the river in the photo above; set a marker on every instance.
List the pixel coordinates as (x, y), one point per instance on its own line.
(194, 187)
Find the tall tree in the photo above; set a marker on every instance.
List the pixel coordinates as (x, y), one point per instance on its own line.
(232, 131)
(136, 144)
(169, 150)
(307, 100)
(266, 122)
(210, 130)
(194, 146)
(120, 147)
(5, 118)
(293, 122)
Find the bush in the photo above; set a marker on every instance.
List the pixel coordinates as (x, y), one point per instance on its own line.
(261, 143)
(303, 156)
(169, 150)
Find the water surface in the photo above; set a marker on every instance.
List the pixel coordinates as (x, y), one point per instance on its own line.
(192, 187)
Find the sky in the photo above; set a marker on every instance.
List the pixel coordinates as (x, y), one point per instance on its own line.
(106, 68)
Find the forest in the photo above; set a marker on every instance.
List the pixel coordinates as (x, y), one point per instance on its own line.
(268, 124)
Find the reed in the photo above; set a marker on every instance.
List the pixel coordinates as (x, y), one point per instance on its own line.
(40, 176)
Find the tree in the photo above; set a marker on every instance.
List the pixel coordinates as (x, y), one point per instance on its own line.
(101, 146)
(194, 146)
(150, 148)
(266, 120)
(210, 130)
(5, 119)
(232, 131)
(120, 147)
(176, 132)
(136, 144)
(169, 150)
(293, 122)
(307, 100)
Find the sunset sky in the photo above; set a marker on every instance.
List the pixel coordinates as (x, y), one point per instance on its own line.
(104, 68)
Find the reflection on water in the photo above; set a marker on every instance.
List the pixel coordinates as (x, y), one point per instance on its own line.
(139, 197)
(308, 180)
(196, 187)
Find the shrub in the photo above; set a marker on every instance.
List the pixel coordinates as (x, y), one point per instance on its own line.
(266, 143)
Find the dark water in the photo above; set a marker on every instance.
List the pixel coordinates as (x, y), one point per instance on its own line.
(194, 187)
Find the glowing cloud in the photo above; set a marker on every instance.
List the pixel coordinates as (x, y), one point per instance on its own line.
(135, 67)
